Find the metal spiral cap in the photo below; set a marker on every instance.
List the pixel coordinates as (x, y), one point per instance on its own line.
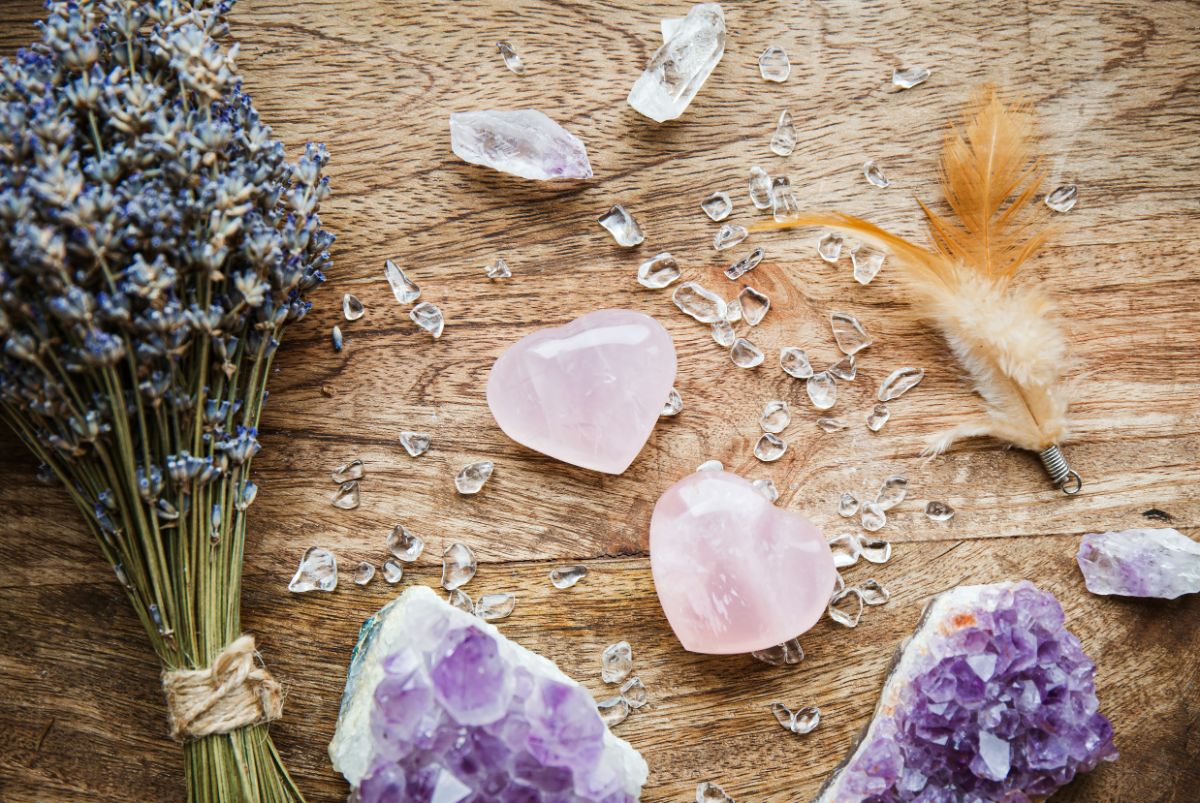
(1060, 472)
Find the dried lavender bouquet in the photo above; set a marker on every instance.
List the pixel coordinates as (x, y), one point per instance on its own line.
(154, 244)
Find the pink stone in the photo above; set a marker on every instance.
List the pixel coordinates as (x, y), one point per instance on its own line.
(588, 393)
(735, 573)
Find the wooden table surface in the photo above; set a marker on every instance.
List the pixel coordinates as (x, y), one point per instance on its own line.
(1116, 83)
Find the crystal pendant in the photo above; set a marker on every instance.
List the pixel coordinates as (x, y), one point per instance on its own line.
(760, 188)
(892, 492)
(745, 354)
(774, 64)
(458, 566)
(473, 477)
(346, 497)
(336, 338)
(621, 225)
(405, 545)
(846, 607)
(717, 206)
(845, 549)
(899, 382)
(392, 572)
(722, 332)
(613, 711)
(348, 471)
(872, 517)
(845, 369)
(878, 417)
(829, 247)
(794, 362)
(789, 653)
(491, 607)
(363, 573)
(673, 404)
(499, 269)
(703, 305)
(874, 550)
(729, 235)
(511, 59)
(658, 271)
(776, 415)
(711, 465)
(616, 662)
(769, 448)
(563, 577)
(867, 261)
(352, 308)
(317, 572)
(633, 691)
(462, 600)
(822, 390)
(744, 265)
(1063, 198)
(428, 317)
(416, 443)
(709, 792)
(766, 488)
(939, 511)
(754, 305)
(873, 593)
(403, 288)
(783, 141)
(847, 505)
(830, 424)
(784, 204)
(849, 333)
(874, 174)
(909, 77)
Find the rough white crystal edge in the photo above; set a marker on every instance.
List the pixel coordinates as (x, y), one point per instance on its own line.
(350, 749)
(1177, 558)
(645, 96)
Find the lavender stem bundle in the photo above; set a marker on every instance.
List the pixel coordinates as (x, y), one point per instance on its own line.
(154, 244)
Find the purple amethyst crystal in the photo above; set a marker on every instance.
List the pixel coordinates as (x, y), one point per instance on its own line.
(1140, 563)
(439, 707)
(991, 699)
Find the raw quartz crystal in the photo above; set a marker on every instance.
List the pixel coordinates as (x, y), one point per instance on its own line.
(522, 142)
(866, 262)
(729, 235)
(850, 335)
(991, 699)
(909, 77)
(717, 206)
(774, 64)
(754, 305)
(317, 572)
(673, 405)
(403, 288)
(785, 205)
(658, 271)
(1062, 199)
(428, 317)
(794, 362)
(352, 308)
(416, 443)
(499, 269)
(618, 222)
(745, 354)
(702, 304)
(1161, 563)
(744, 265)
(874, 174)
(440, 706)
(677, 70)
(899, 382)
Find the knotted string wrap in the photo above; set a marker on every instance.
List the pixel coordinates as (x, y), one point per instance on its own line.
(232, 693)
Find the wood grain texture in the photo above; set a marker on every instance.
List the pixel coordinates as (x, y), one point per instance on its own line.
(1115, 83)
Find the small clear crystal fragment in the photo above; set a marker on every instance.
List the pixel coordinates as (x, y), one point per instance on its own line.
(733, 311)
(776, 415)
(348, 471)
(744, 265)
(613, 711)
(616, 662)
(873, 593)
(846, 607)
(850, 335)
(473, 477)
(939, 511)
(878, 417)
(838, 581)
(760, 188)
(745, 354)
(346, 497)
(769, 448)
(673, 404)
(845, 369)
(392, 572)
(428, 317)
(658, 271)
(621, 225)
(491, 607)
(1062, 199)
(703, 305)
(872, 517)
(831, 424)
(794, 362)
(829, 247)
(847, 505)
(458, 566)
(462, 600)
(499, 269)
(846, 550)
(415, 443)
(774, 64)
(511, 59)
(709, 792)
(867, 261)
(562, 577)
(874, 549)
(403, 288)
(352, 308)
(363, 573)
(633, 691)
(892, 492)
(874, 174)
(711, 465)
(785, 205)
(717, 206)
(789, 653)
(899, 382)
(909, 77)
(766, 488)
(722, 332)
(693, 46)
(729, 235)
(521, 142)
(404, 544)
(336, 337)
(754, 305)
(783, 141)
(822, 390)
(317, 572)
(801, 721)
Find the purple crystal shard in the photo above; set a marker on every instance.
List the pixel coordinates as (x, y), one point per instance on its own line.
(990, 699)
(1140, 563)
(440, 708)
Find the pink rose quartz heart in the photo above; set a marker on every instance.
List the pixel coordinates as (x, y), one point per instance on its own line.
(735, 573)
(588, 393)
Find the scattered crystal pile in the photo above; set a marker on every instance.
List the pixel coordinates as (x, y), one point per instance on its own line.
(1140, 563)
(621, 225)
(440, 706)
(523, 142)
(678, 69)
(774, 64)
(991, 699)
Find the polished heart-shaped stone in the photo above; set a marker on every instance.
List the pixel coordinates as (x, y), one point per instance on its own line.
(588, 393)
(735, 573)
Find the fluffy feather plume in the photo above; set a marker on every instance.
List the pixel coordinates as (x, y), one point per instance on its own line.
(1004, 336)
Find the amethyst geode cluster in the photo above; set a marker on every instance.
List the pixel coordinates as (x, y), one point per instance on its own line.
(439, 707)
(991, 699)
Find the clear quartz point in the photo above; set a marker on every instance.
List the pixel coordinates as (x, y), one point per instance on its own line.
(729, 235)
(874, 174)
(874, 549)
(878, 417)
(909, 77)
(621, 225)
(829, 247)
(633, 691)
(416, 443)
(774, 64)
(850, 335)
(899, 382)
(831, 424)
(348, 471)
(462, 600)
(499, 269)
(405, 545)
(872, 517)
(783, 141)
(363, 573)
(892, 492)
(866, 261)
(317, 572)
(744, 265)
(770, 447)
(760, 188)
(844, 369)
(846, 607)
(822, 390)
(873, 593)
(1062, 199)
(563, 577)
(403, 288)
(711, 465)
(673, 404)
(473, 477)
(428, 317)
(392, 571)
(794, 362)
(703, 305)
(754, 305)
(776, 416)
(785, 206)
(658, 271)
(491, 607)
(511, 59)
(613, 711)
(939, 511)
(347, 497)
(352, 308)
(693, 46)
(722, 332)
(521, 142)
(745, 354)
(846, 550)
(847, 505)
(709, 792)
(717, 206)
(766, 488)
(789, 653)
(616, 662)
(458, 566)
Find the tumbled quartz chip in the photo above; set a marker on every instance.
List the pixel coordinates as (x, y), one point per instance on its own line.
(785, 206)
(673, 404)
(801, 721)
(829, 247)
(872, 517)
(754, 305)
(783, 141)
(766, 488)
(680, 67)
(499, 269)
(822, 390)
(461, 600)
(511, 59)
(744, 265)
(874, 550)
(846, 550)
(845, 369)
(416, 443)
(729, 235)
(458, 566)
(939, 511)
(473, 477)
(874, 174)
(392, 571)
(892, 492)
(564, 577)
(846, 607)
(403, 288)
(522, 142)
(440, 706)
(899, 382)
(745, 354)
(428, 317)
(723, 333)
(769, 448)
(997, 661)
(709, 792)
(405, 545)
(866, 261)
(847, 505)
(717, 206)
(621, 225)
(348, 471)
(346, 497)
(878, 416)
(703, 305)
(1162, 563)
(658, 271)
(873, 593)
(774, 64)
(789, 653)
(711, 465)
(760, 188)
(850, 335)
(909, 77)
(633, 691)
(352, 308)
(1062, 199)
(616, 662)
(363, 573)
(829, 424)
(794, 362)
(733, 311)
(776, 416)
(613, 711)
(491, 607)
(317, 572)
